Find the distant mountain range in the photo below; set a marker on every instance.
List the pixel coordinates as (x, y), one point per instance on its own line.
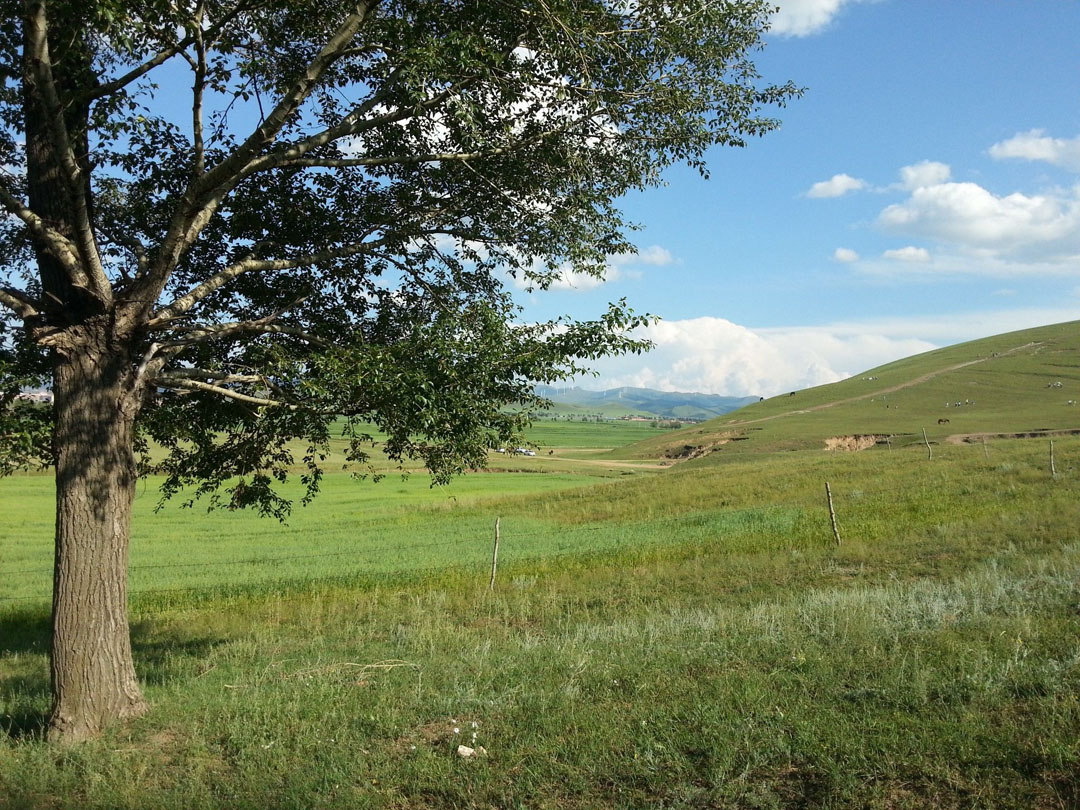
(641, 402)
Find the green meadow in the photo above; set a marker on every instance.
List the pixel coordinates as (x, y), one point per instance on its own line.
(683, 636)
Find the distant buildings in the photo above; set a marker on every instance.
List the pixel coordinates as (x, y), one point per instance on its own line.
(44, 397)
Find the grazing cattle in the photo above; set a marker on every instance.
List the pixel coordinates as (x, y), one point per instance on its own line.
(943, 421)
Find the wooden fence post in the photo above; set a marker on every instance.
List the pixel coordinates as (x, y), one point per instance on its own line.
(1053, 469)
(929, 450)
(832, 513)
(494, 557)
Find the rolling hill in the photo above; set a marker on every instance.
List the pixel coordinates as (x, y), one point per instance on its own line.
(1018, 383)
(642, 402)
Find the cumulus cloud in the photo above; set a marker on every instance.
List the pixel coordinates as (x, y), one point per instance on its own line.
(1036, 145)
(907, 254)
(924, 173)
(846, 255)
(800, 18)
(714, 355)
(836, 186)
(969, 217)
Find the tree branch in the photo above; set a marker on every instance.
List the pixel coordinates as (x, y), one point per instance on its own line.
(285, 161)
(203, 196)
(41, 79)
(219, 377)
(61, 247)
(19, 302)
(197, 294)
(351, 124)
(163, 56)
(168, 381)
(199, 162)
(204, 334)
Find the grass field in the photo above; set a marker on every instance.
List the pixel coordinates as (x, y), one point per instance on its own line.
(687, 638)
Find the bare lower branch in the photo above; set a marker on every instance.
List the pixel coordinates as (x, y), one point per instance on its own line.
(62, 248)
(219, 377)
(177, 383)
(19, 302)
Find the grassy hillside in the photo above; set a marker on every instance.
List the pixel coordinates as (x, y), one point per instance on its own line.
(1019, 382)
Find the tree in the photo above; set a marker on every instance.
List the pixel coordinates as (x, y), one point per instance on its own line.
(233, 223)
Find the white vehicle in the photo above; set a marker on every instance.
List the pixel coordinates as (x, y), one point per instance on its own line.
(524, 451)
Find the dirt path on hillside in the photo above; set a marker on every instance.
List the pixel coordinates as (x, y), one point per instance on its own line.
(974, 438)
(880, 391)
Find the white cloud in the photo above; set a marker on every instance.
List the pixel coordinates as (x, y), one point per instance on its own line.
(908, 254)
(800, 18)
(714, 355)
(836, 186)
(846, 255)
(1034, 145)
(653, 255)
(970, 218)
(925, 173)
(956, 263)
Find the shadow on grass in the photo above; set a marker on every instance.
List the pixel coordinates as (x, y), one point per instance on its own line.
(160, 657)
(24, 675)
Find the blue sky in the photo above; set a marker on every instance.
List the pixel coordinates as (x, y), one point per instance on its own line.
(924, 191)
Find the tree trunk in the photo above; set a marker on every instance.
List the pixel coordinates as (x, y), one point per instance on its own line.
(93, 675)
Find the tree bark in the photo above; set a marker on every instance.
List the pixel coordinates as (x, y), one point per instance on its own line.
(93, 674)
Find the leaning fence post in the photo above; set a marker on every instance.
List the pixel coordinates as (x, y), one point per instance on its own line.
(832, 513)
(1053, 469)
(494, 557)
(929, 450)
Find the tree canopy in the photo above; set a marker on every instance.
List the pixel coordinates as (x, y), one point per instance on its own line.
(251, 221)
